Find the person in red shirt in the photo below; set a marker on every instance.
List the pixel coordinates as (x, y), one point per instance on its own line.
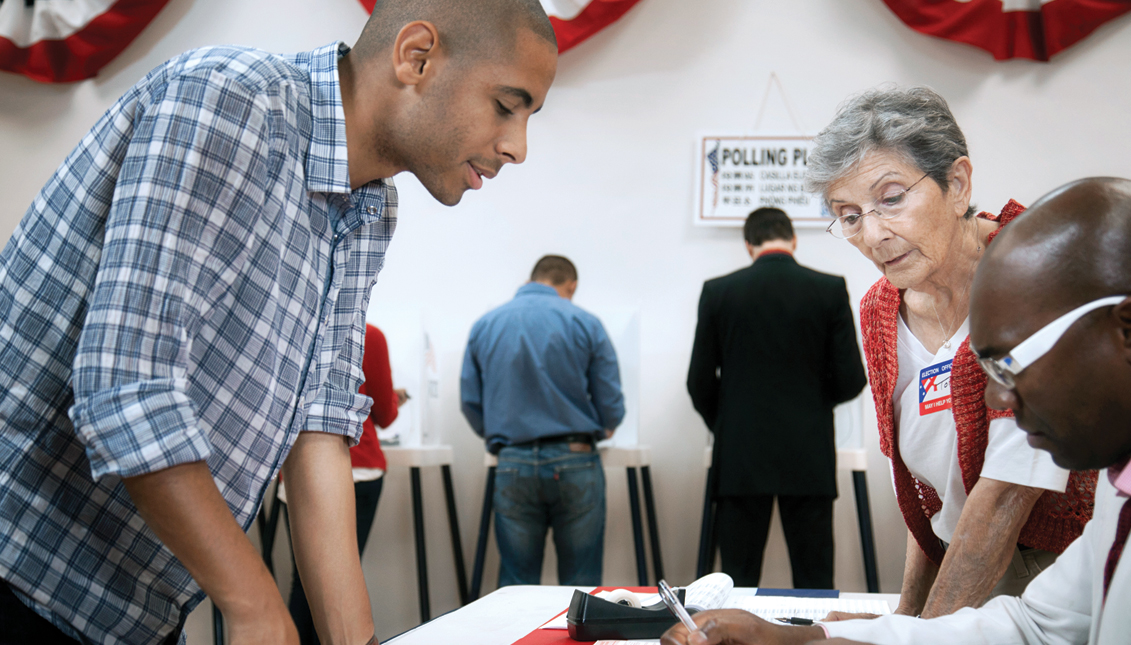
(367, 460)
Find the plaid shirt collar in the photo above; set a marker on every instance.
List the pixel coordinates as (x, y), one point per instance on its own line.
(327, 164)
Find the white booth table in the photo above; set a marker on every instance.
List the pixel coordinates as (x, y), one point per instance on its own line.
(508, 614)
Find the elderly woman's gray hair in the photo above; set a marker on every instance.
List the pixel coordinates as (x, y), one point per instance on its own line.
(914, 122)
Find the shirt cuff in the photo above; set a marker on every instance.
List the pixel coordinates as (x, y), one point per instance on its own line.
(139, 428)
(334, 411)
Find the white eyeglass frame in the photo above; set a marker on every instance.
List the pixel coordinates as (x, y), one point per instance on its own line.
(1002, 370)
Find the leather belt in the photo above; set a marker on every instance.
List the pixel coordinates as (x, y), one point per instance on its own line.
(575, 437)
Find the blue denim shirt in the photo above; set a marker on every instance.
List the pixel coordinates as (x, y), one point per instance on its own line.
(539, 366)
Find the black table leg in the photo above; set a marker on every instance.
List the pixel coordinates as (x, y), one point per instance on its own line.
(481, 545)
(707, 530)
(421, 557)
(637, 529)
(653, 529)
(217, 626)
(453, 524)
(867, 541)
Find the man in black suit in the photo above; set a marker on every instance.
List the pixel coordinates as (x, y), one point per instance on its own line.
(775, 351)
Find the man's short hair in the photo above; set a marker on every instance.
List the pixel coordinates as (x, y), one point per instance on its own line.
(470, 30)
(767, 224)
(555, 269)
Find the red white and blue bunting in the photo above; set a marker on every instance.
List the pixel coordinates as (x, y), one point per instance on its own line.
(1034, 29)
(60, 41)
(573, 20)
(576, 20)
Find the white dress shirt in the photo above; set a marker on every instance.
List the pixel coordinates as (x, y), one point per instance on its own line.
(1063, 605)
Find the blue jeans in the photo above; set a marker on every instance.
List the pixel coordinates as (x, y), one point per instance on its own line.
(543, 487)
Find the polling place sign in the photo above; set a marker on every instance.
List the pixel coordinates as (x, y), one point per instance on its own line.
(740, 174)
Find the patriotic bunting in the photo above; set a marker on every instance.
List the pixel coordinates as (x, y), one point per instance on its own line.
(573, 20)
(60, 41)
(576, 20)
(1035, 29)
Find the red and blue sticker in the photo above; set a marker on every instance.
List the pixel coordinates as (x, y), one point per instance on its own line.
(934, 388)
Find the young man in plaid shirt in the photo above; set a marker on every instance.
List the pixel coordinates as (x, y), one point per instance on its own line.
(182, 311)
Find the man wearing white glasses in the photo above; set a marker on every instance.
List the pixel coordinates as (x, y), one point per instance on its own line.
(1050, 321)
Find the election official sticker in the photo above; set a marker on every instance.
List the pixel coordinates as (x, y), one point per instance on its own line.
(934, 388)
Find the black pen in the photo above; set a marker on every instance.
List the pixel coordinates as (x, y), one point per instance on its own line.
(793, 620)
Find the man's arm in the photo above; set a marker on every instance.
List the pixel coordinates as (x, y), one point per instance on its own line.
(184, 508)
(604, 381)
(739, 627)
(846, 370)
(982, 546)
(471, 389)
(323, 519)
(702, 374)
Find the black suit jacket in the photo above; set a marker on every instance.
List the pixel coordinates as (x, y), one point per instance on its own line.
(775, 350)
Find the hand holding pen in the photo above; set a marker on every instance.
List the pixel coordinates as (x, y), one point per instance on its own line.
(732, 627)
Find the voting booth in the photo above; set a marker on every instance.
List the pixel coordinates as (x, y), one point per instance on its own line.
(412, 441)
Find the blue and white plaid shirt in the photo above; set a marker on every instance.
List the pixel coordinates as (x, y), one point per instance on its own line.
(190, 285)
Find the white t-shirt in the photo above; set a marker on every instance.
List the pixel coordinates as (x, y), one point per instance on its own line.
(928, 438)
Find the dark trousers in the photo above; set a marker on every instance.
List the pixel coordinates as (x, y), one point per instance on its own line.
(19, 625)
(744, 523)
(366, 494)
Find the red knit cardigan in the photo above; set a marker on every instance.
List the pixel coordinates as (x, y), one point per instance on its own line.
(1056, 519)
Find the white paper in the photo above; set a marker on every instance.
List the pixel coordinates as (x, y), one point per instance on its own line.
(771, 607)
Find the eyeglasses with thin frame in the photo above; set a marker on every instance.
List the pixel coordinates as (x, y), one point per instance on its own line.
(889, 206)
(1002, 370)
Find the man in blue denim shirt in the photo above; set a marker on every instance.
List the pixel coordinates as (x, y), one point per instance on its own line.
(540, 383)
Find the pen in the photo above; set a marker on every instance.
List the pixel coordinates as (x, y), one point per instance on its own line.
(794, 620)
(675, 607)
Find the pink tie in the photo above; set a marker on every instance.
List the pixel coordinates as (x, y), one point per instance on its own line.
(1121, 532)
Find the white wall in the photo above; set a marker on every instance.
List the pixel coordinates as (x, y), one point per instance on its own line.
(609, 183)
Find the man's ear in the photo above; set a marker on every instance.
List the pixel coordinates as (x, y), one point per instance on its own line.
(414, 51)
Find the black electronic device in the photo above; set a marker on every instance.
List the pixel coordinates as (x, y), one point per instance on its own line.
(595, 619)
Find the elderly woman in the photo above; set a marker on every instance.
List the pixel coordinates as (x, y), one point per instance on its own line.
(985, 512)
